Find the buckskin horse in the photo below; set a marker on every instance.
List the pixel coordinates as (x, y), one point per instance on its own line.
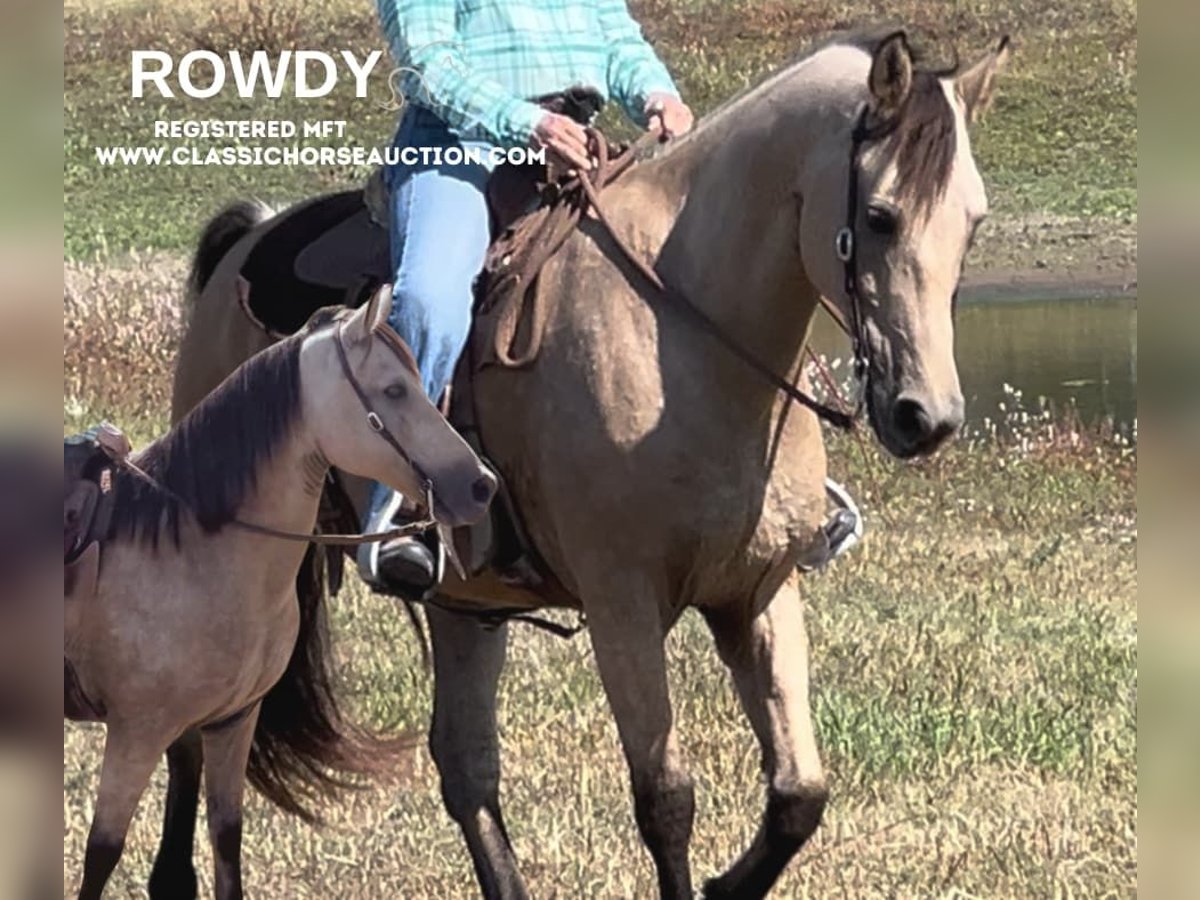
(193, 625)
(655, 470)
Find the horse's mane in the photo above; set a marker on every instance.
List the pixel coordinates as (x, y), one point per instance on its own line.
(922, 135)
(211, 458)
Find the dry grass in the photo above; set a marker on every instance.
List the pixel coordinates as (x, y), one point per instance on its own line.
(974, 669)
(120, 327)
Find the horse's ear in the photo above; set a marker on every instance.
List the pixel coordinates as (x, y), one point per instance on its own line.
(891, 75)
(976, 85)
(375, 313)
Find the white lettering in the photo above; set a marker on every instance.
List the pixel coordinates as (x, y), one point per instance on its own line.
(260, 67)
(361, 72)
(185, 74)
(159, 76)
(303, 89)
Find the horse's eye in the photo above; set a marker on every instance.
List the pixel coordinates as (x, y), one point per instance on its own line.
(881, 220)
(974, 233)
(396, 391)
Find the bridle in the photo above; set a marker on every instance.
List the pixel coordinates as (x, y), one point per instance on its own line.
(845, 247)
(399, 349)
(423, 523)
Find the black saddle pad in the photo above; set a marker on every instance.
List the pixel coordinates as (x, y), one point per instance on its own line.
(324, 253)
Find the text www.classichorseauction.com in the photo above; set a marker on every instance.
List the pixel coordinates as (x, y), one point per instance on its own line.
(154, 68)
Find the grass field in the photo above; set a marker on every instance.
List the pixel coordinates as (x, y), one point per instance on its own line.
(975, 669)
(975, 691)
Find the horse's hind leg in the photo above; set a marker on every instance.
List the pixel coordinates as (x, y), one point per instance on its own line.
(768, 657)
(226, 751)
(129, 761)
(174, 874)
(467, 661)
(627, 635)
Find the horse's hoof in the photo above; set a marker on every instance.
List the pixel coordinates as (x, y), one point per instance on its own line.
(177, 885)
(714, 890)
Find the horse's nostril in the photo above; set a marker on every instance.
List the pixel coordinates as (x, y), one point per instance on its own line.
(483, 488)
(912, 421)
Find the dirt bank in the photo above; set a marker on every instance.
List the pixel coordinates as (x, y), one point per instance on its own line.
(1053, 256)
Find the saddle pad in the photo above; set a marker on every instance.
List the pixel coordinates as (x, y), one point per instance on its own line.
(325, 253)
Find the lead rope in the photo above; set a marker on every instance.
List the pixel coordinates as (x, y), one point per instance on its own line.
(336, 540)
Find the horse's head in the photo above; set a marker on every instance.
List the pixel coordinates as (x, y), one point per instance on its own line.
(885, 227)
(364, 398)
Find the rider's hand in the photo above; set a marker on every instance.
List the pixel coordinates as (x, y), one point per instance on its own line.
(668, 115)
(565, 139)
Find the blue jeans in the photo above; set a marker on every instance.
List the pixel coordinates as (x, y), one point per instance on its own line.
(439, 234)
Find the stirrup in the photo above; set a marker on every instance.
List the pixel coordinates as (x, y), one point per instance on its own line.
(842, 530)
(367, 556)
(846, 528)
(412, 593)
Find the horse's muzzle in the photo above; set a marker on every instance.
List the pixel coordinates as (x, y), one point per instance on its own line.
(913, 426)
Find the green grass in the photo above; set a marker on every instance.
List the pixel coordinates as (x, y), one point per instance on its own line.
(974, 690)
(1061, 140)
(974, 674)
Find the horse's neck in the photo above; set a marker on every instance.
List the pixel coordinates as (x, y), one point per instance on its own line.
(733, 247)
(286, 496)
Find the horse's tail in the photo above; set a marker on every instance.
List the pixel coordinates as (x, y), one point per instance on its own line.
(305, 748)
(223, 230)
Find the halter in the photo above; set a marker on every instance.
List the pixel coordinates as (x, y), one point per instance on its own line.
(393, 342)
(396, 345)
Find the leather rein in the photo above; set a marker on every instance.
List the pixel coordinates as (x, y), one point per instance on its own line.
(844, 246)
(393, 342)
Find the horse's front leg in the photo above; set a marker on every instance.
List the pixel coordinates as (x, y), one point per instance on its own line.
(768, 657)
(467, 661)
(130, 755)
(627, 631)
(226, 752)
(174, 874)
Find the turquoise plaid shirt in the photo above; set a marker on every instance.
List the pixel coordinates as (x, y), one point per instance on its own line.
(477, 63)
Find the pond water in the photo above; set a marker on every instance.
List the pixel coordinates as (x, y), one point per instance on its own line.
(1071, 351)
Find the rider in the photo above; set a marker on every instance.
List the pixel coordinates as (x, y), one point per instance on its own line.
(470, 72)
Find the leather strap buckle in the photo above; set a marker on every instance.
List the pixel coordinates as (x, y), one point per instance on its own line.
(843, 244)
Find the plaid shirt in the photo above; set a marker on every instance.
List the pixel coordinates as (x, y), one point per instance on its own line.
(477, 63)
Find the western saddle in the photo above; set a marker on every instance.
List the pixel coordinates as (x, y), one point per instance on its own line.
(90, 460)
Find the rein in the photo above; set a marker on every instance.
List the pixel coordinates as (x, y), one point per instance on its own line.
(427, 521)
(844, 247)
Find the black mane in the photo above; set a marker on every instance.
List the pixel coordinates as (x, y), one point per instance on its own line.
(210, 460)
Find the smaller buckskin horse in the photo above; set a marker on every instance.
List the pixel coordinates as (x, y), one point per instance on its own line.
(192, 627)
(654, 469)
